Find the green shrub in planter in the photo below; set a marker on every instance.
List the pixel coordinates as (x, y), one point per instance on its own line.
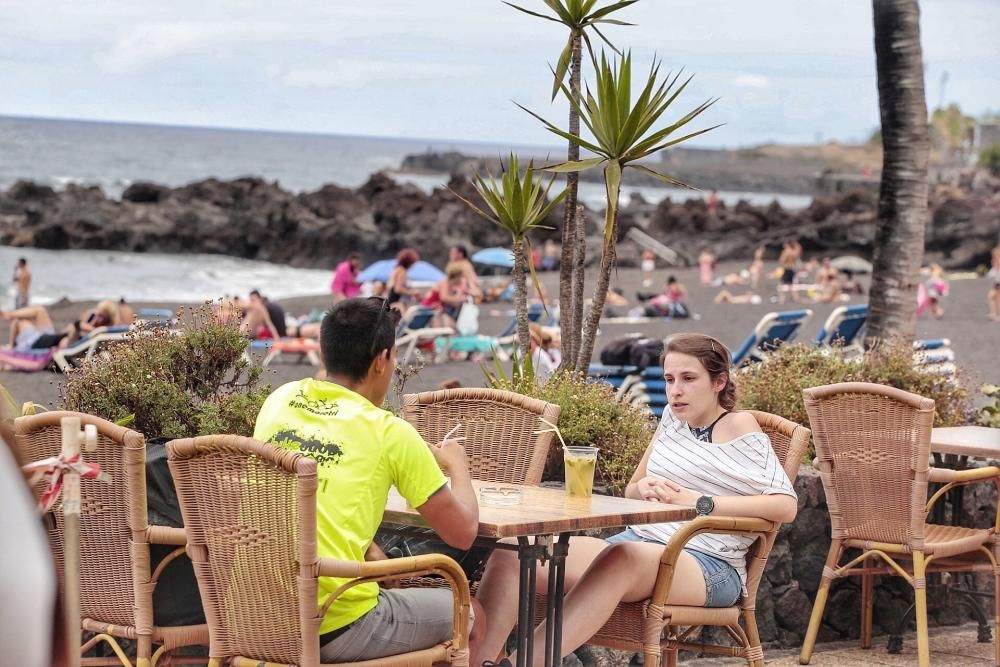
(775, 384)
(590, 416)
(180, 384)
(989, 415)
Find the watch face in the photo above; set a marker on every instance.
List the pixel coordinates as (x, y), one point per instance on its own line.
(705, 505)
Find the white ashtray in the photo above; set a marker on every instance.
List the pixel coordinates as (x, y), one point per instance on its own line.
(499, 495)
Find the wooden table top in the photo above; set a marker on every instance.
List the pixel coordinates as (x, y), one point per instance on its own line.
(978, 442)
(545, 511)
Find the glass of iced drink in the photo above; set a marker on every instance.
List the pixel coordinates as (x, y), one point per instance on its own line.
(580, 465)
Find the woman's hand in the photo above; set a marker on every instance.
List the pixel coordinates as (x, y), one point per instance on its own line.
(664, 491)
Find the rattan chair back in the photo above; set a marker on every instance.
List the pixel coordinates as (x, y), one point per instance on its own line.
(250, 515)
(790, 442)
(113, 587)
(504, 434)
(873, 452)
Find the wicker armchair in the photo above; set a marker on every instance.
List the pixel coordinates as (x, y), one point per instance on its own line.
(654, 627)
(873, 448)
(116, 579)
(501, 429)
(250, 514)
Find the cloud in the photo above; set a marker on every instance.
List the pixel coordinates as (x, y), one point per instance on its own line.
(346, 73)
(150, 43)
(752, 81)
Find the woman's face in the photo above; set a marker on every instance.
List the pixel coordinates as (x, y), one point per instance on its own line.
(690, 389)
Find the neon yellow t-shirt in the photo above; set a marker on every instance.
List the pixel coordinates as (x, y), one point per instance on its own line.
(361, 451)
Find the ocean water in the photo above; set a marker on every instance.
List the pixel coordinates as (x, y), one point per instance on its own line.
(114, 155)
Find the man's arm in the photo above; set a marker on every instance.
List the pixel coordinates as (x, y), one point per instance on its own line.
(453, 512)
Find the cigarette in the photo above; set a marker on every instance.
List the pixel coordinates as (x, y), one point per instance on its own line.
(452, 431)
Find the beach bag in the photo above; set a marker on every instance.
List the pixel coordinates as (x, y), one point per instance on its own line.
(646, 352)
(618, 351)
(468, 319)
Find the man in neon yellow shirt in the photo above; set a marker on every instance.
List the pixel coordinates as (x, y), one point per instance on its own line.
(362, 450)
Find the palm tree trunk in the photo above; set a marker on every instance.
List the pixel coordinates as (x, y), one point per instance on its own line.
(521, 296)
(579, 276)
(597, 303)
(902, 210)
(568, 275)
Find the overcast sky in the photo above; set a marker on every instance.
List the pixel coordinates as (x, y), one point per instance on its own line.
(786, 70)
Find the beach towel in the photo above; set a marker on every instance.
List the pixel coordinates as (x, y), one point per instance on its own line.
(28, 362)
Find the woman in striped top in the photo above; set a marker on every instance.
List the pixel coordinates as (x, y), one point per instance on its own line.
(703, 455)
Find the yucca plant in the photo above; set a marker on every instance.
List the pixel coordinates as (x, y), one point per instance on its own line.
(519, 205)
(579, 16)
(622, 135)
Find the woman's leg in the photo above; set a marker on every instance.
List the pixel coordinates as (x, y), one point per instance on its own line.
(623, 572)
(499, 588)
(37, 314)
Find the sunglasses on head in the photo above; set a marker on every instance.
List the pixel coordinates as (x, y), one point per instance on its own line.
(393, 314)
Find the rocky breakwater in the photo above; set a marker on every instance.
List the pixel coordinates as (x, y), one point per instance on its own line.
(257, 219)
(963, 226)
(250, 218)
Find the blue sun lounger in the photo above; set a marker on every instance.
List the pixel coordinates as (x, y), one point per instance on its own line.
(774, 329)
(844, 326)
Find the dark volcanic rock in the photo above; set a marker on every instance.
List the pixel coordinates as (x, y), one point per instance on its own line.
(257, 219)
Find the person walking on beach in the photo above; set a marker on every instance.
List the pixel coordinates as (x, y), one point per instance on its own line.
(22, 283)
(994, 293)
(706, 265)
(756, 267)
(787, 261)
(398, 285)
(345, 284)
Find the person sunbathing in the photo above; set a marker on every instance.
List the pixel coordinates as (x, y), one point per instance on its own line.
(725, 296)
(31, 328)
(691, 461)
(448, 295)
(256, 318)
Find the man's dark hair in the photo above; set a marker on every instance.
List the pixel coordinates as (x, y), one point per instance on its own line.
(354, 255)
(461, 249)
(349, 340)
(22, 261)
(256, 293)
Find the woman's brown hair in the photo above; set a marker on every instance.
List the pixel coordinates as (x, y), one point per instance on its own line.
(407, 257)
(714, 357)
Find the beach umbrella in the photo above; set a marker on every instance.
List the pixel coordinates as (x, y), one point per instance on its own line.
(495, 257)
(421, 272)
(852, 264)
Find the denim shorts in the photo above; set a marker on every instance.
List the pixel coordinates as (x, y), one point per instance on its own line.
(723, 585)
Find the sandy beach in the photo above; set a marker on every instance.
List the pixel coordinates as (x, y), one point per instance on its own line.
(975, 339)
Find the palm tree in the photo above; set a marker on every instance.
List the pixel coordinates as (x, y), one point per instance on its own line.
(519, 206)
(902, 207)
(622, 135)
(578, 16)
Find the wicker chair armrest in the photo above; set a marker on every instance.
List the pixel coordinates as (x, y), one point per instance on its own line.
(727, 525)
(166, 535)
(953, 478)
(963, 476)
(376, 570)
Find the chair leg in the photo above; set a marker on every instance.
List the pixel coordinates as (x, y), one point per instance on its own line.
(867, 602)
(996, 615)
(920, 599)
(836, 549)
(754, 652)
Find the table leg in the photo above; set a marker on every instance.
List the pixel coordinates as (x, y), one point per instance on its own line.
(527, 554)
(554, 618)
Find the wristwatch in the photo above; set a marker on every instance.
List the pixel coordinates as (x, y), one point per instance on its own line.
(704, 505)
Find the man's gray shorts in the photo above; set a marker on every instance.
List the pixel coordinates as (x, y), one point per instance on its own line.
(403, 620)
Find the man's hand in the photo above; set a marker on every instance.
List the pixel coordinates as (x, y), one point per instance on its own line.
(450, 455)
(375, 553)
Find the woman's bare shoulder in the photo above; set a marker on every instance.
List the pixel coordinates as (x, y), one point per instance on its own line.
(736, 425)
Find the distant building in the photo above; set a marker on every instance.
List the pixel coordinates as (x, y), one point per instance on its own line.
(985, 134)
